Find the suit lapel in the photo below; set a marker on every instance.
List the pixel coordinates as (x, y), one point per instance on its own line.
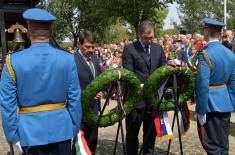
(93, 60)
(141, 51)
(152, 55)
(83, 63)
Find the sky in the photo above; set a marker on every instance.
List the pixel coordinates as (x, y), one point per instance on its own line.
(172, 14)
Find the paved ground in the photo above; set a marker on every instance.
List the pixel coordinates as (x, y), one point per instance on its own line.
(191, 144)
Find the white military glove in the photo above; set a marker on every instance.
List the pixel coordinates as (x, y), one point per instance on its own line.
(115, 66)
(141, 85)
(18, 148)
(201, 119)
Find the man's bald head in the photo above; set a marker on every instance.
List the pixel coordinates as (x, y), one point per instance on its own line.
(229, 32)
(229, 35)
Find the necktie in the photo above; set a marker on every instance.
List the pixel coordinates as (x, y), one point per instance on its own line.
(147, 52)
(91, 66)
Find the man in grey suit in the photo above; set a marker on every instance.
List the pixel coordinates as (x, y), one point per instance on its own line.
(88, 66)
(142, 57)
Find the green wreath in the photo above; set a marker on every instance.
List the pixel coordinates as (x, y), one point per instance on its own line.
(158, 77)
(101, 83)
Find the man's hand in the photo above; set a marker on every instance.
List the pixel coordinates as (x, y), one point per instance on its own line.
(18, 148)
(201, 119)
(99, 95)
(190, 102)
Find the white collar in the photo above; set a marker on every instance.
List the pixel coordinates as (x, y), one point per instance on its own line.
(83, 56)
(143, 44)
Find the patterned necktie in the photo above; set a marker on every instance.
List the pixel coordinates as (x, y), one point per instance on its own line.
(91, 66)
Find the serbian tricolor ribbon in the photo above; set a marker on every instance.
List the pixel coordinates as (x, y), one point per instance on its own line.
(162, 126)
(184, 119)
(81, 145)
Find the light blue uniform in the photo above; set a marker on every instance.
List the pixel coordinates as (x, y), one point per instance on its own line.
(215, 90)
(223, 72)
(44, 75)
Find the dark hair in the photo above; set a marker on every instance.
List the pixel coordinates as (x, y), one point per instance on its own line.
(86, 36)
(177, 41)
(39, 34)
(227, 44)
(145, 26)
(214, 33)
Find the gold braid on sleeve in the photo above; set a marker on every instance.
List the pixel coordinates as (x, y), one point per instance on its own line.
(208, 61)
(194, 66)
(10, 69)
(205, 56)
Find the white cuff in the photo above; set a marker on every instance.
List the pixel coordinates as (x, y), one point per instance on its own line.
(201, 119)
(18, 147)
(141, 85)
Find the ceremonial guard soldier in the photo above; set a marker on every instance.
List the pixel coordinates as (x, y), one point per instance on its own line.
(215, 90)
(40, 93)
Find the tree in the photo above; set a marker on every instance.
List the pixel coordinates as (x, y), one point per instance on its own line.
(94, 17)
(118, 31)
(73, 16)
(135, 11)
(231, 13)
(68, 19)
(192, 12)
(158, 19)
(99, 16)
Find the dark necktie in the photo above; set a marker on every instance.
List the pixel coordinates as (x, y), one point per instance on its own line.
(91, 66)
(147, 52)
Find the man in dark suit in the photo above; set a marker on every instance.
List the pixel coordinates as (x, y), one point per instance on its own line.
(88, 66)
(187, 52)
(142, 57)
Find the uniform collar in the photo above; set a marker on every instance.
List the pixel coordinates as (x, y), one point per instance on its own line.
(213, 42)
(41, 44)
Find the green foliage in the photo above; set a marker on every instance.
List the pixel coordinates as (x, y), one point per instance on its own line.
(158, 19)
(104, 18)
(231, 12)
(118, 31)
(68, 18)
(135, 11)
(192, 12)
(73, 16)
(100, 84)
(94, 17)
(161, 74)
(66, 44)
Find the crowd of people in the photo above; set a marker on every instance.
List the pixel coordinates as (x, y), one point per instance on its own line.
(179, 46)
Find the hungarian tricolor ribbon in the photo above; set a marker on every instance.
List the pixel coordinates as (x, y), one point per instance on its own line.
(81, 145)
